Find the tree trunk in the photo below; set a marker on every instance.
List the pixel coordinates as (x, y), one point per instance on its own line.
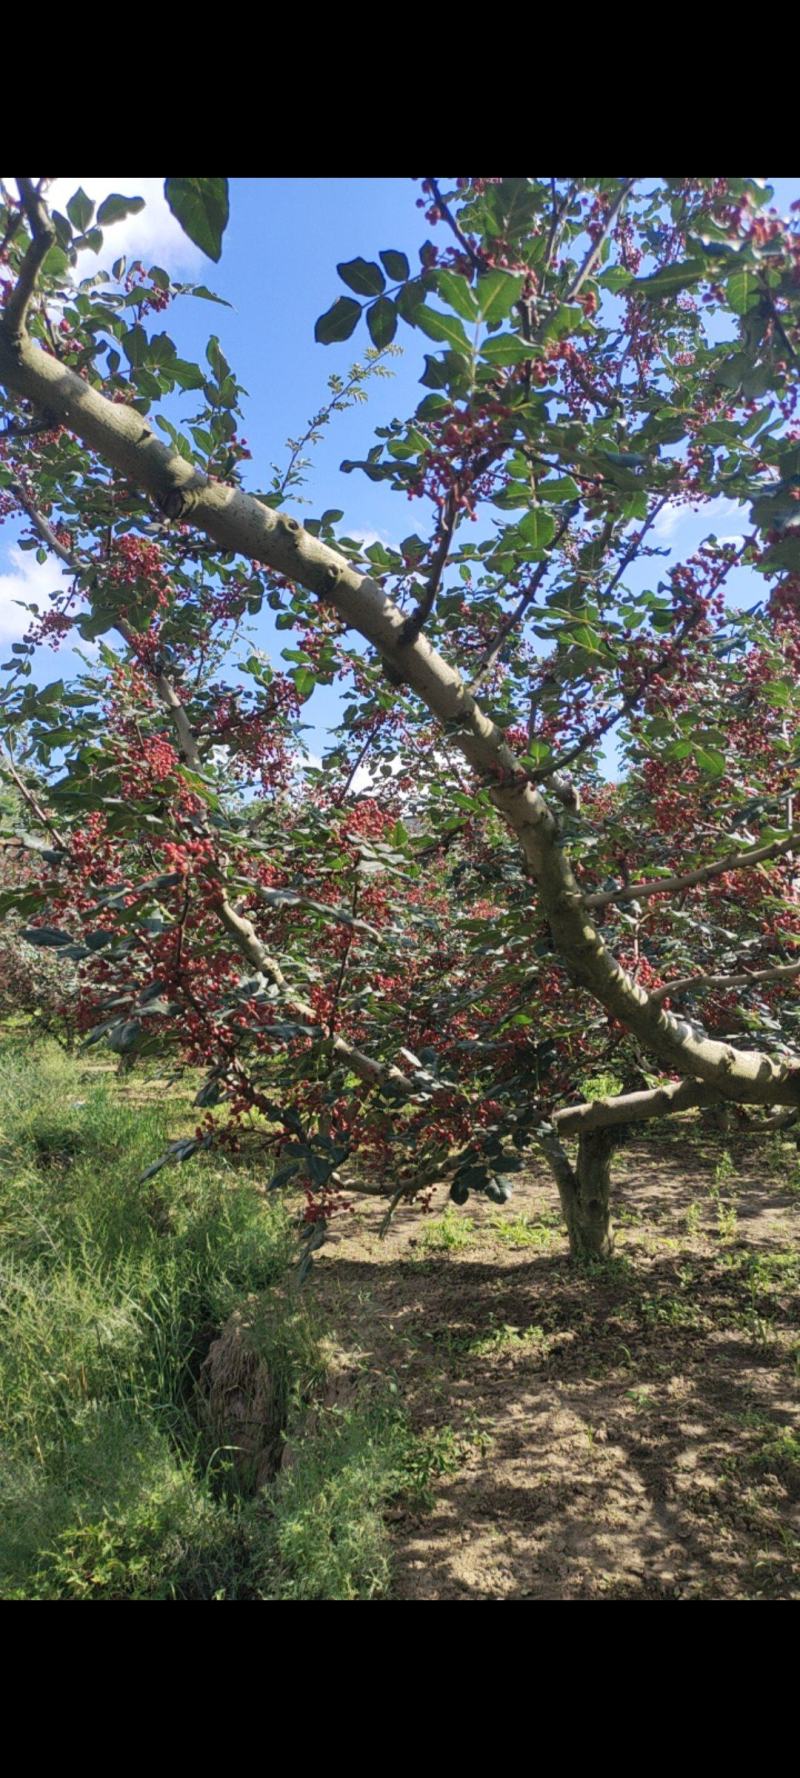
(585, 1190)
(589, 1221)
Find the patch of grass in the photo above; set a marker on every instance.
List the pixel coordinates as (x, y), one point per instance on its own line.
(111, 1292)
(329, 1533)
(670, 1311)
(783, 1160)
(448, 1232)
(779, 1453)
(499, 1337)
(527, 1231)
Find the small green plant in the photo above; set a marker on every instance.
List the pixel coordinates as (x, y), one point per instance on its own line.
(448, 1232)
(727, 1220)
(780, 1451)
(641, 1398)
(527, 1231)
(601, 1086)
(500, 1337)
(725, 1169)
(670, 1311)
(692, 1219)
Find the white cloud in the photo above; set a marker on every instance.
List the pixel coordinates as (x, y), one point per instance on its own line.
(365, 538)
(30, 581)
(669, 519)
(709, 516)
(153, 235)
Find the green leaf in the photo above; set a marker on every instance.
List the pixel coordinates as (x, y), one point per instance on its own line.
(209, 296)
(55, 263)
(671, 278)
(447, 372)
(778, 693)
(188, 376)
(497, 293)
(338, 322)
(567, 317)
(80, 210)
(537, 528)
(115, 207)
(507, 348)
(396, 264)
(410, 299)
(305, 682)
(134, 344)
(743, 291)
(382, 321)
(92, 240)
(710, 760)
(363, 276)
(46, 936)
(563, 488)
(442, 327)
(201, 207)
(456, 292)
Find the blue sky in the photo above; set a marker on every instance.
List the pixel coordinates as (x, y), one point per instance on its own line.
(278, 271)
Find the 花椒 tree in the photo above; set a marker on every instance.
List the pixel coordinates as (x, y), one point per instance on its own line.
(410, 981)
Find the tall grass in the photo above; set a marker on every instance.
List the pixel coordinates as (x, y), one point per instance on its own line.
(111, 1292)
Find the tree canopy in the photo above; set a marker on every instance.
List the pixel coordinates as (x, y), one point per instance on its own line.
(414, 960)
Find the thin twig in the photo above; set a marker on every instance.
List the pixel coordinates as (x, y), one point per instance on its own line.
(475, 259)
(526, 598)
(744, 979)
(594, 252)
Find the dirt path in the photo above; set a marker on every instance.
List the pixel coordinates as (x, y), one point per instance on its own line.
(630, 1433)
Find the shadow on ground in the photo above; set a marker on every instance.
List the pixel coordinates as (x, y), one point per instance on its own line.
(625, 1432)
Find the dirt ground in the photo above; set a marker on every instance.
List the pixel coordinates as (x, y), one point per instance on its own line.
(628, 1432)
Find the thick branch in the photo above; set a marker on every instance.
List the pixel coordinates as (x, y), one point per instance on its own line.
(634, 1108)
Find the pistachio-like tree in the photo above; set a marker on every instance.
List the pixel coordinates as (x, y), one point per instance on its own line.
(405, 965)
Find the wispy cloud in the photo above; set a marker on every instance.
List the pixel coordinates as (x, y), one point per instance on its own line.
(675, 516)
(31, 582)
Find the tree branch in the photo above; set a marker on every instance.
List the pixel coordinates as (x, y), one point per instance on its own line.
(634, 1108)
(744, 979)
(732, 861)
(594, 252)
(15, 313)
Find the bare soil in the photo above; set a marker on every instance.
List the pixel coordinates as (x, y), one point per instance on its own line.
(630, 1431)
